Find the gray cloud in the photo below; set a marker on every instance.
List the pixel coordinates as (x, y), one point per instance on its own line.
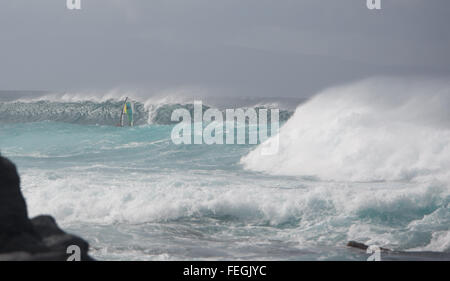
(228, 47)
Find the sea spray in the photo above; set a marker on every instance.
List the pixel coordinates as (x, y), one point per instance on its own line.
(374, 130)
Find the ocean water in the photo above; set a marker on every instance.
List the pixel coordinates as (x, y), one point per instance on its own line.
(369, 161)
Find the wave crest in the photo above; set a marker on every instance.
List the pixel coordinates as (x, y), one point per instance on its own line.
(377, 129)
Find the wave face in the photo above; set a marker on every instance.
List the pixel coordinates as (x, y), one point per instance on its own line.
(107, 112)
(374, 130)
(85, 112)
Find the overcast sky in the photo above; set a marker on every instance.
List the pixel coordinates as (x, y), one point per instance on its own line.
(224, 47)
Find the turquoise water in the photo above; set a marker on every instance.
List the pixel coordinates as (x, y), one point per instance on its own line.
(350, 166)
(135, 195)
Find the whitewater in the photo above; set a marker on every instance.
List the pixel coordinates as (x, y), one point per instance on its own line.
(368, 161)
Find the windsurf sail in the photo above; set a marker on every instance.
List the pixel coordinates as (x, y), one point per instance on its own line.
(128, 110)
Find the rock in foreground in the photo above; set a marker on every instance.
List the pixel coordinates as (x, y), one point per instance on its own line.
(37, 239)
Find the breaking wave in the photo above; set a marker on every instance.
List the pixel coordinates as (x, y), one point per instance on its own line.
(375, 130)
(106, 112)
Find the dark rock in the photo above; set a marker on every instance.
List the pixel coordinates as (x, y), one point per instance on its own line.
(13, 210)
(363, 246)
(357, 245)
(56, 239)
(25, 239)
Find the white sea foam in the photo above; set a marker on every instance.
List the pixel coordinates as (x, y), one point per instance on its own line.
(323, 212)
(377, 129)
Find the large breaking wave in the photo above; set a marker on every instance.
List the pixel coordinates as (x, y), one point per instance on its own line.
(377, 129)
